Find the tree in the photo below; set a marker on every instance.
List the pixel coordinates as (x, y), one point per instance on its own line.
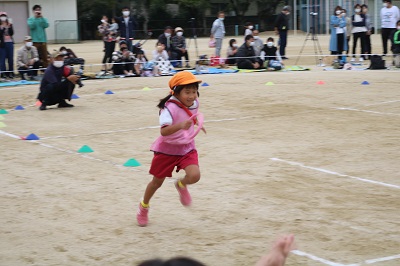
(266, 11)
(240, 8)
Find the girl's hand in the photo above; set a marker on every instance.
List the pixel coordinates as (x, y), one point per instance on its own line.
(186, 124)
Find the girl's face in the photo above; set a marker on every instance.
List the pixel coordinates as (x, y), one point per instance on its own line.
(187, 95)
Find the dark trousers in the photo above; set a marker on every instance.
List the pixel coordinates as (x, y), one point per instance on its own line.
(42, 51)
(177, 55)
(109, 49)
(386, 34)
(340, 42)
(248, 64)
(356, 36)
(368, 47)
(7, 55)
(230, 60)
(348, 47)
(31, 71)
(120, 67)
(282, 42)
(56, 92)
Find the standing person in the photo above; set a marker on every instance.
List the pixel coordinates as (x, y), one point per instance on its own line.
(176, 111)
(258, 43)
(109, 40)
(348, 29)
(6, 47)
(248, 29)
(370, 30)
(179, 47)
(37, 25)
(390, 14)
(281, 29)
(127, 27)
(246, 58)
(28, 59)
(338, 42)
(53, 88)
(359, 31)
(218, 32)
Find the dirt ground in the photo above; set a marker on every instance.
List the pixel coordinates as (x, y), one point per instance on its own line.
(318, 161)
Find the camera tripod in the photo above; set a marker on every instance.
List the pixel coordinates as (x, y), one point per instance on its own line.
(194, 36)
(311, 35)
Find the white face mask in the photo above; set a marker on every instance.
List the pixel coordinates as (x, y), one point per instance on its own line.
(58, 64)
(357, 10)
(28, 44)
(3, 18)
(126, 13)
(221, 19)
(179, 33)
(256, 37)
(234, 45)
(344, 14)
(270, 44)
(385, 4)
(398, 27)
(251, 43)
(338, 12)
(167, 34)
(288, 13)
(250, 27)
(103, 21)
(64, 52)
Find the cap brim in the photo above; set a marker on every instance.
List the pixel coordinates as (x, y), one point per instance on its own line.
(190, 81)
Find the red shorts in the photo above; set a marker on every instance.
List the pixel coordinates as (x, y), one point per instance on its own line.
(163, 165)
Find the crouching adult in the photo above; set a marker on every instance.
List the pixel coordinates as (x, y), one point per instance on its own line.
(246, 57)
(28, 59)
(58, 83)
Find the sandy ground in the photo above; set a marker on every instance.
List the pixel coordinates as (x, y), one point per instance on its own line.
(286, 158)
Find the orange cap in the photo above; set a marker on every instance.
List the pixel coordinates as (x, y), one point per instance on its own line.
(182, 78)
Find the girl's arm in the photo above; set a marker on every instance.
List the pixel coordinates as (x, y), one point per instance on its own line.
(171, 129)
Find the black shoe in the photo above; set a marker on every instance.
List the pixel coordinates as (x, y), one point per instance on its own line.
(284, 58)
(23, 77)
(31, 78)
(42, 107)
(64, 104)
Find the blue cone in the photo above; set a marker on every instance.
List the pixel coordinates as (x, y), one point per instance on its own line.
(365, 82)
(109, 92)
(19, 107)
(205, 84)
(32, 137)
(74, 96)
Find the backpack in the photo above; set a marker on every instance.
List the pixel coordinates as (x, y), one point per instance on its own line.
(377, 62)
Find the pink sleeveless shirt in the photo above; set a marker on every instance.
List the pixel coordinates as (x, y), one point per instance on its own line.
(179, 115)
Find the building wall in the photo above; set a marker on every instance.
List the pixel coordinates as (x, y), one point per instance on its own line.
(54, 10)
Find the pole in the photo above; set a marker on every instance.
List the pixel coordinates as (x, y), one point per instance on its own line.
(295, 17)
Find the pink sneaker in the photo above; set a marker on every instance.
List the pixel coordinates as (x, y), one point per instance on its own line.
(142, 215)
(184, 194)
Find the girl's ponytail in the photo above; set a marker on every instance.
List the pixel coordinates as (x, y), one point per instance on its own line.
(162, 102)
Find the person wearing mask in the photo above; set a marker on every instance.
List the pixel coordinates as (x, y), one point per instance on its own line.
(370, 30)
(57, 84)
(161, 60)
(390, 14)
(248, 29)
(246, 58)
(109, 41)
(281, 29)
(258, 43)
(359, 31)
(338, 42)
(348, 29)
(123, 61)
(28, 59)
(6, 47)
(231, 52)
(269, 53)
(165, 39)
(37, 25)
(179, 47)
(127, 25)
(218, 32)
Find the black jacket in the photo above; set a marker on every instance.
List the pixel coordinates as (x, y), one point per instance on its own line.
(245, 51)
(282, 22)
(2, 32)
(127, 32)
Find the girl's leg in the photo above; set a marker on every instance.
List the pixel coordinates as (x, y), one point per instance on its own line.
(192, 176)
(151, 188)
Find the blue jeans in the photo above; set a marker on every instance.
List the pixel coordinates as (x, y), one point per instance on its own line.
(282, 42)
(7, 53)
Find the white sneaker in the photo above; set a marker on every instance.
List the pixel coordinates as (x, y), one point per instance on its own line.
(353, 60)
(361, 60)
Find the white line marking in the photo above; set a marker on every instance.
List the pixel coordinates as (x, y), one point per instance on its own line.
(310, 256)
(9, 135)
(366, 111)
(373, 104)
(382, 259)
(335, 173)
